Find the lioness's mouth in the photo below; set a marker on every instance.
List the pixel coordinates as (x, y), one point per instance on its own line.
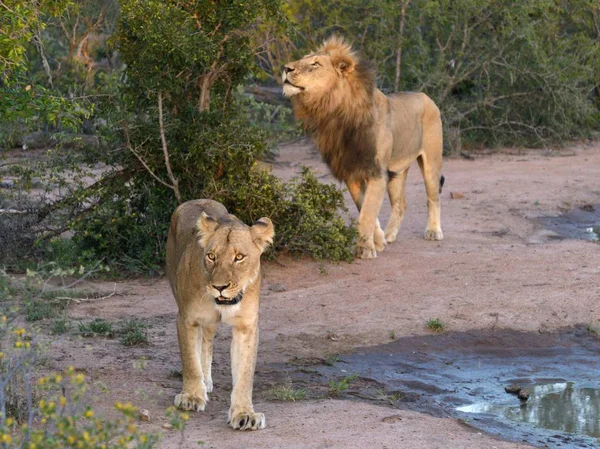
(223, 301)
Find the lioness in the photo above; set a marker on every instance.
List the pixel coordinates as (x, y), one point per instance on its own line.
(368, 139)
(213, 265)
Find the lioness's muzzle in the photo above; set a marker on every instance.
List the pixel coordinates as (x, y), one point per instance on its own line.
(222, 301)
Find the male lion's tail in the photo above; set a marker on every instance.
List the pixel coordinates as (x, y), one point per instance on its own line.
(442, 180)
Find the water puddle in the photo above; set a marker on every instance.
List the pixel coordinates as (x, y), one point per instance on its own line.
(558, 406)
(463, 376)
(582, 223)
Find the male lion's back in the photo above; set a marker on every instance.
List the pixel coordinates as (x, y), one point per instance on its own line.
(183, 221)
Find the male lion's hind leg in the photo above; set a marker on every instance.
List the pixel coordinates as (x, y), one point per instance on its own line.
(244, 346)
(396, 185)
(193, 395)
(432, 177)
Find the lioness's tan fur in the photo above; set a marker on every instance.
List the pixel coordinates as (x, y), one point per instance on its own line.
(368, 139)
(212, 256)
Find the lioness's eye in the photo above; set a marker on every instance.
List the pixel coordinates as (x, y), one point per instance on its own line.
(210, 256)
(239, 257)
(315, 64)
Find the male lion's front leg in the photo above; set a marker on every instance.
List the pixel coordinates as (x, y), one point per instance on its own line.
(243, 360)
(193, 394)
(357, 191)
(368, 224)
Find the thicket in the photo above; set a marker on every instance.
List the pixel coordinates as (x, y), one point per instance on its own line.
(176, 128)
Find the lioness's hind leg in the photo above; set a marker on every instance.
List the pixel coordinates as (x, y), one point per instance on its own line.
(207, 335)
(432, 177)
(396, 185)
(193, 394)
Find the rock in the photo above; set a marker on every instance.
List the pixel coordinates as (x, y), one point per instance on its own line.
(277, 288)
(456, 195)
(167, 426)
(513, 389)
(144, 415)
(523, 395)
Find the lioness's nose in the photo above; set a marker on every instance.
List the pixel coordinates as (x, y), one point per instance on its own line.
(288, 68)
(220, 288)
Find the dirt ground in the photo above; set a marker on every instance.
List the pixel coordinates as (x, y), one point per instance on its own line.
(496, 268)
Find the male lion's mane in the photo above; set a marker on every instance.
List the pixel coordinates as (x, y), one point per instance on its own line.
(342, 121)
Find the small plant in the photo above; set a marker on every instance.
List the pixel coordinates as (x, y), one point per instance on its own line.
(97, 327)
(392, 335)
(337, 388)
(593, 330)
(134, 332)
(287, 393)
(36, 310)
(60, 325)
(435, 325)
(332, 359)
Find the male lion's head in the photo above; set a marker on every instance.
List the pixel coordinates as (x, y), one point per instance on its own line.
(319, 73)
(232, 251)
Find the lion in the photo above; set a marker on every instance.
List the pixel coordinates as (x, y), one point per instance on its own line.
(366, 138)
(213, 266)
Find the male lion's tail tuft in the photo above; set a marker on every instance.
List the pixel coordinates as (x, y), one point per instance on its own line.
(442, 180)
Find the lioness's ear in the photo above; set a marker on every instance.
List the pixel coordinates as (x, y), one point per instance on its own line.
(262, 233)
(206, 226)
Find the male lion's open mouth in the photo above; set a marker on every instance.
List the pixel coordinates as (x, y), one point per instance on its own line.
(223, 301)
(287, 81)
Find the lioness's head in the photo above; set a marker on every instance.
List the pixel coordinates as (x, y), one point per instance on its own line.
(232, 253)
(318, 73)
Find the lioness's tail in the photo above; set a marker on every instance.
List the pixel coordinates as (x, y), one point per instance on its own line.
(442, 180)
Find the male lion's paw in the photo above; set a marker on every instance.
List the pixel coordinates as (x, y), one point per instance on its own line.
(434, 234)
(247, 420)
(379, 239)
(366, 252)
(191, 402)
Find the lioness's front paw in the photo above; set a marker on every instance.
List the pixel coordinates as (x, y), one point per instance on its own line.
(192, 402)
(247, 420)
(434, 234)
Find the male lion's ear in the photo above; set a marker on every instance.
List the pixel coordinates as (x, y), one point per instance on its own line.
(344, 63)
(262, 233)
(206, 226)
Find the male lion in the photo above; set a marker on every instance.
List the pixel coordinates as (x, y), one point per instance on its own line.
(213, 265)
(366, 138)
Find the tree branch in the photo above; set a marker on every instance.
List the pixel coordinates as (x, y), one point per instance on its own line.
(174, 181)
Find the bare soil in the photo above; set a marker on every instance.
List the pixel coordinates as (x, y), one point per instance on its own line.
(497, 268)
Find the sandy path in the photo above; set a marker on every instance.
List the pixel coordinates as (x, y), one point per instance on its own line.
(496, 268)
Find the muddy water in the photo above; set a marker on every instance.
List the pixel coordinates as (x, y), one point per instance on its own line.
(463, 375)
(556, 406)
(582, 223)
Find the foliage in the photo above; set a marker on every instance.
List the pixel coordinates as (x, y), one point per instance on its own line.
(502, 72)
(134, 332)
(98, 326)
(435, 325)
(287, 393)
(336, 388)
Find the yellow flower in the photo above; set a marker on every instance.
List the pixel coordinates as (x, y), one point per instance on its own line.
(1, 355)
(89, 414)
(58, 379)
(5, 438)
(63, 400)
(18, 344)
(20, 331)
